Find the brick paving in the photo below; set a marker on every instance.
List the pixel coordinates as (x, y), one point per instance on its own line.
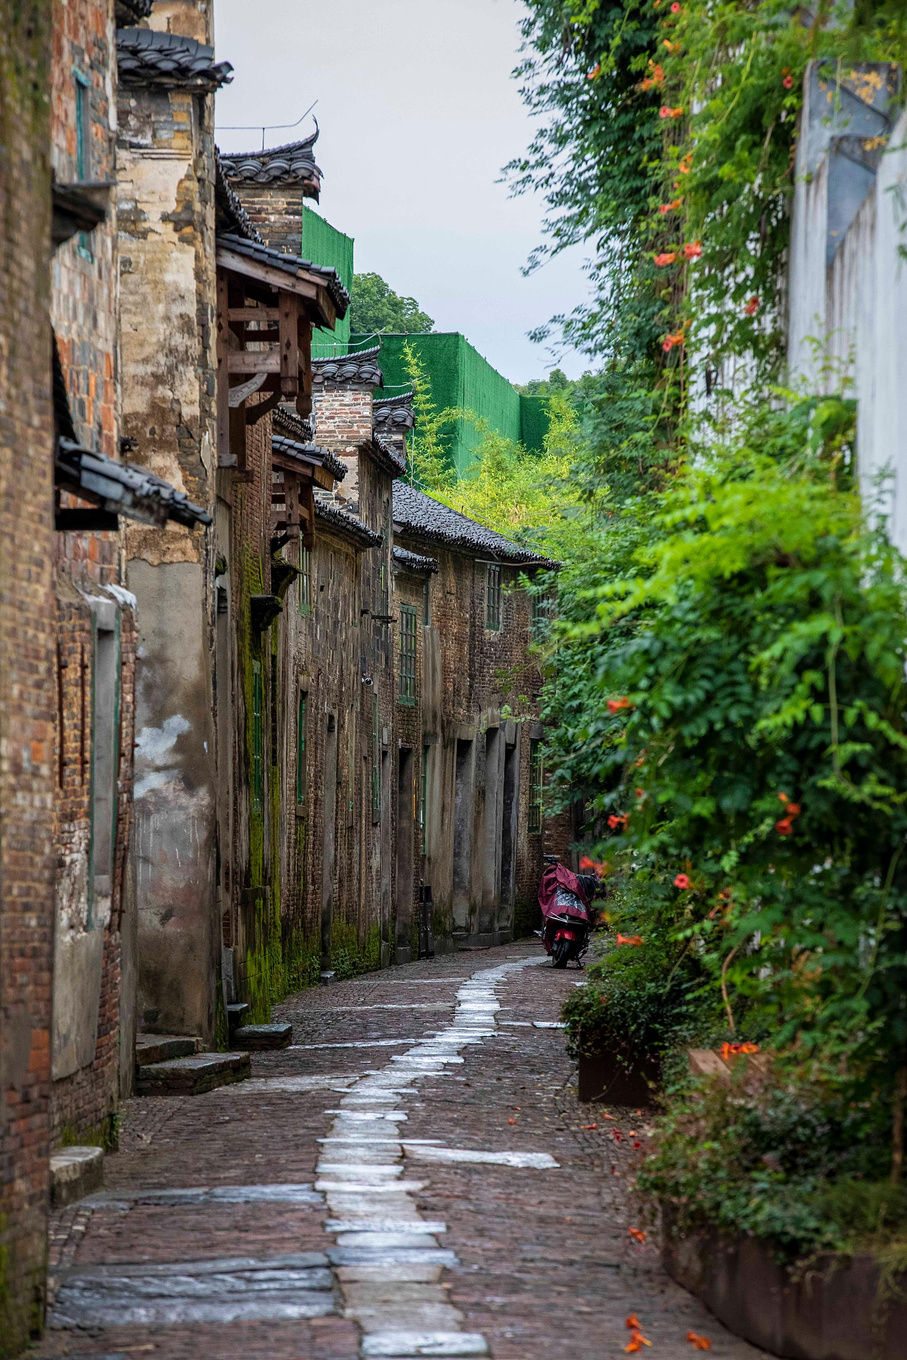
(544, 1263)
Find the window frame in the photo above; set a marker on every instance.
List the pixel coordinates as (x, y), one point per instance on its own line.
(493, 609)
(406, 690)
(536, 787)
(305, 581)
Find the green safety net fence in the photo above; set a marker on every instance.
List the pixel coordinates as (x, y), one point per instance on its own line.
(325, 245)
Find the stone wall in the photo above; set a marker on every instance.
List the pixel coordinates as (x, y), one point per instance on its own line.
(166, 222)
(27, 665)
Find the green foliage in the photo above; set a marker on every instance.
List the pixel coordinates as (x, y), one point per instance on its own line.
(789, 1162)
(376, 309)
(428, 464)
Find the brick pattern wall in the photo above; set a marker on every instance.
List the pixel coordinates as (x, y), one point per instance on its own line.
(26, 664)
(85, 1102)
(276, 212)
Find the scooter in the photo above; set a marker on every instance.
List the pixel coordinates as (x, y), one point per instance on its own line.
(566, 902)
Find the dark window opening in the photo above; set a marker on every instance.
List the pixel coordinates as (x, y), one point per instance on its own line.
(536, 785)
(300, 750)
(258, 774)
(493, 596)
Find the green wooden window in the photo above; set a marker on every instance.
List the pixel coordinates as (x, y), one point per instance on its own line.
(258, 772)
(493, 596)
(305, 580)
(407, 654)
(83, 145)
(300, 749)
(376, 762)
(536, 785)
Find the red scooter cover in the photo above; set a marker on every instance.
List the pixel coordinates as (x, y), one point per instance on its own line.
(558, 876)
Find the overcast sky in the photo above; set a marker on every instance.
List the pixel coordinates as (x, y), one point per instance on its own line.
(418, 113)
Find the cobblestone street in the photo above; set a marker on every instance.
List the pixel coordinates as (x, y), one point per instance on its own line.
(368, 1193)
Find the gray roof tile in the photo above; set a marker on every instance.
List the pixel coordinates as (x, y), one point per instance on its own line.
(293, 163)
(292, 448)
(327, 509)
(421, 517)
(349, 368)
(147, 57)
(414, 561)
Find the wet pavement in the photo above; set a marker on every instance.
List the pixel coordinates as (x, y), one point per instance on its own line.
(413, 1176)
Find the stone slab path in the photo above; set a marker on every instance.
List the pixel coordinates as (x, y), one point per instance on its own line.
(412, 1177)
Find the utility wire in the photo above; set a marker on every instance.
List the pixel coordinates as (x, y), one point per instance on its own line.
(267, 127)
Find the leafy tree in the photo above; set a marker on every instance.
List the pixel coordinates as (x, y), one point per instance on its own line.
(377, 310)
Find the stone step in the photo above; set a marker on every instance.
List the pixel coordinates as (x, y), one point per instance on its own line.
(256, 1037)
(193, 1075)
(74, 1173)
(235, 1012)
(158, 1048)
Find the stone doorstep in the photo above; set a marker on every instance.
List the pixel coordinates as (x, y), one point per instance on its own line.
(74, 1173)
(408, 1344)
(193, 1075)
(158, 1048)
(255, 1038)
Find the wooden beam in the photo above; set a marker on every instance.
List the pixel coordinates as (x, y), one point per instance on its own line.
(303, 285)
(307, 514)
(290, 310)
(254, 314)
(254, 361)
(226, 457)
(304, 397)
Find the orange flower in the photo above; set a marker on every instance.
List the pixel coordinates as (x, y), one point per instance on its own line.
(666, 257)
(752, 306)
(617, 819)
(669, 342)
(596, 70)
(654, 79)
(785, 827)
(783, 798)
(675, 8)
(682, 881)
(629, 939)
(665, 112)
(793, 809)
(686, 164)
(692, 250)
(788, 82)
(637, 1234)
(664, 208)
(615, 705)
(699, 1343)
(734, 1050)
(672, 47)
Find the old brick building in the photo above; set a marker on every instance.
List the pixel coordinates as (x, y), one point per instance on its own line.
(266, 700)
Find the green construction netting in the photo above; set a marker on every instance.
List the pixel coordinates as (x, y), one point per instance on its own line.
(461, 378)
(325, 245)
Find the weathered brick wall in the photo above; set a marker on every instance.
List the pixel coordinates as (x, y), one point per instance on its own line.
(26, 664)
(276, 212)
(343, 421)
(165, 186)
(85, 1101)
(476, 679)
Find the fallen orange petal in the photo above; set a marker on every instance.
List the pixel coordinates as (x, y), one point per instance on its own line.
(699, 1343)
(511, 1121)
(632, 1346)
(632, 1322)
(637, 1234)
(588, 1126)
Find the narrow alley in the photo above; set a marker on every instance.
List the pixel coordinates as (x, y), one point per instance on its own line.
(395, 1183)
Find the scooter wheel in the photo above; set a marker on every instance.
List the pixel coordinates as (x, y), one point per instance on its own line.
(561, 953)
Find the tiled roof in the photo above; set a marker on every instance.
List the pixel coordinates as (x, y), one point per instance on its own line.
(123, 488)
(147, 57)
(293, 163)
(306, 453)
(414, 561)
(349, 368)
(290, 264)
(422, 517)
(129, 10)
(331, 513)
(290, 423)
(231, 217)
(388, 457)
(120, 488)
(394, 415)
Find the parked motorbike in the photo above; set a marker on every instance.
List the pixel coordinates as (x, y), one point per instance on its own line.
(567, 912)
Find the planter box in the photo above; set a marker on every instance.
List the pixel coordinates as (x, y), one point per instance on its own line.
(602, 1077)
(832, 1311)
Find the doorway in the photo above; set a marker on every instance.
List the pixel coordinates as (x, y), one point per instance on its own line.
(462, 834)
(329, 833)
(404, 857)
